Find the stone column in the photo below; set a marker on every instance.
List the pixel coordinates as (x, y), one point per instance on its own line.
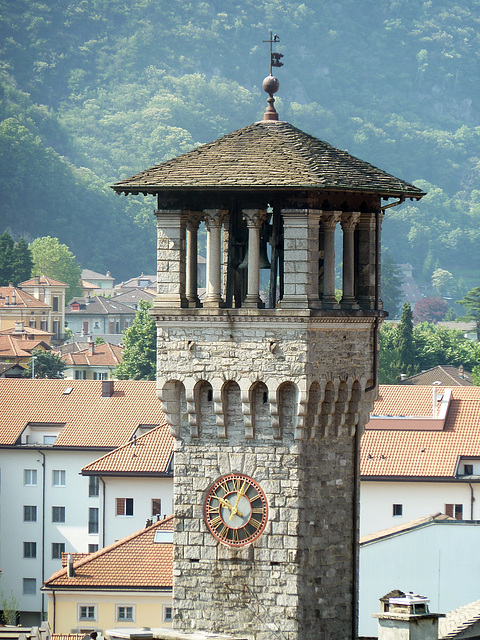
(329, 223)
(301, 253)
(349, 222)
(254, 219)
(213, 222)
(193, 222)
(170, 258)
(366, 260)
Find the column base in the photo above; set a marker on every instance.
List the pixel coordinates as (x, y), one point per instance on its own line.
(253, 302)
(330, 303)
(213, 303)
(349, 303)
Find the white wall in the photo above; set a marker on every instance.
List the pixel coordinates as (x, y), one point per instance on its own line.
(142, 490)
(14, 531)
(419, 499)
(440, 561)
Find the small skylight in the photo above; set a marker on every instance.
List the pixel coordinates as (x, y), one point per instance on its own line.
(67, 391)
(163, 537)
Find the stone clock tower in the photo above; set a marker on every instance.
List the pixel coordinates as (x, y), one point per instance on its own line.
(267, 390)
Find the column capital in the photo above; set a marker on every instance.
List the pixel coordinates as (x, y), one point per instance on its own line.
(214, 217)
(193, 219)
(254, 217)
(330, 219)
(349, 220)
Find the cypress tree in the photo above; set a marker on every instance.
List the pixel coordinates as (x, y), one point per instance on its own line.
(404, 342)
(22, 262)
(6, 258)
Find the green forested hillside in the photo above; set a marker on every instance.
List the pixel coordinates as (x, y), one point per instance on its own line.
(95, 90)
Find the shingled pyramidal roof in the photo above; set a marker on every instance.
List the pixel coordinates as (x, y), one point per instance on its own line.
(267, 155)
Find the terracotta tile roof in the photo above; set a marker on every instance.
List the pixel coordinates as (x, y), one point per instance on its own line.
(149, 454)
(104, 355)
(23, 300)
(456, 622)
(446, 375)
(414, 453)
(13, 348)
(44, 280)
(267, 155)
(90, 419)
(88, 273)
(27, 331)
(136, 561)
(403, 528)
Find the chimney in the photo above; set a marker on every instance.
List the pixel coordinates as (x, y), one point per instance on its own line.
(14, 297)
(406, 617)
(18, 327)
(108, 388)
(434, 401)
(461, 371)
(70, 569)
(403, 376)
(36, 279)
(91, 345)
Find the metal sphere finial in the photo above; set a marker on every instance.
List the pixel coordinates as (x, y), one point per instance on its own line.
(271, 84)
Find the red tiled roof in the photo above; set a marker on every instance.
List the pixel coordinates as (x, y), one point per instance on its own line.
(136, 561)
(415, 453)
(23, 300)
(150, 454)
(25, 331)
(44, 280)
(90, 419)
(104, 355)
(12, 348)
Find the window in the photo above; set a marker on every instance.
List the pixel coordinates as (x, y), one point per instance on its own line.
(55, 303)
(454, 511)
(87, 612)
(156, 507)
(398, 509)
(29, 513)
(58, 514)
(30, 477)
(167, 614)
(57, 549)
(32, 323)
(29, 586)
(124, 506)
(29, 549)
(49, 439)
(80, 375)
(468, 469)
(100, 376)
(59, 477)
(92, 548)
(43, 325)
(93, 520)
(93, 485)
(56, 328)
(125, 613)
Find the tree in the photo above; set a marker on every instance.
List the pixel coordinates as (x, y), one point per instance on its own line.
(476, 376)
(404, 342)
(22, 262)
(139, 355)
(55, 260)
(471, 302)
(388, 371)
(443, 282)
(6, 256)
(391, 285)
(45, 364)
(430, 310)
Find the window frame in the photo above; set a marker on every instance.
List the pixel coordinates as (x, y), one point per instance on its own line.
(30, 550)
(118, 618)
(397, 510)
(124, 507)
(58, 521)
(93, 486)
(33, 474)
(59, 548)
(86, 618)
(33, 507)
(93, 524)
(156, 512)
(62, 476)
(167, 613)
(31, 582)
(454, 510)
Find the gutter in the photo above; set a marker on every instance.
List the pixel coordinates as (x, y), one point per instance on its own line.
(43, 529)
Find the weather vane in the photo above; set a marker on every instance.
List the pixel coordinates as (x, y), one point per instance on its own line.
(271, 84)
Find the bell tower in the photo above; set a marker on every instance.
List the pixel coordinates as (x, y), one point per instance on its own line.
(267, 390)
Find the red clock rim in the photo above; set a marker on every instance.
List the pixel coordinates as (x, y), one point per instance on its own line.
(260, 529)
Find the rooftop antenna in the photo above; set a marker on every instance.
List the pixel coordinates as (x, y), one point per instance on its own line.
(271, 84)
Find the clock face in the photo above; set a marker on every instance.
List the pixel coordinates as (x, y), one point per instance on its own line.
(236, 510)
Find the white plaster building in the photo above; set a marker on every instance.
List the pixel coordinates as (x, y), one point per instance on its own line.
(50, 430)
(420, 454)
(435, 556)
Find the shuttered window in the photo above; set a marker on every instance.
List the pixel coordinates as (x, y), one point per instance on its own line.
(124, 506)
(454, 511)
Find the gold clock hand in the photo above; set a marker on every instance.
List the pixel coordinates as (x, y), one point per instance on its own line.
(227, 504)
(239, 495)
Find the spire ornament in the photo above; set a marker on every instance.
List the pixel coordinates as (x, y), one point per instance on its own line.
(271, 84)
